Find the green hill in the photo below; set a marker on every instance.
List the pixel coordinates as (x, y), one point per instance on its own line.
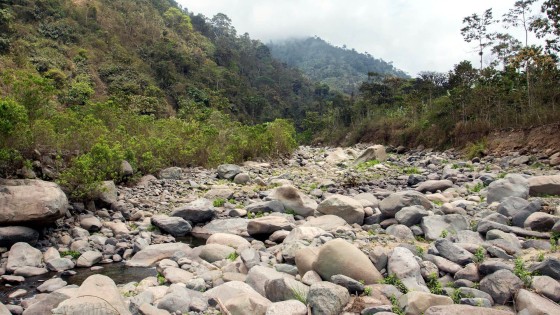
(341, 69)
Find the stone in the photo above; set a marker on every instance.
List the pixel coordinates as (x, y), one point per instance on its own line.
(236, 296)
(327, 298)
(44, 303)
(410, 216)
(376, 152)
(290, 307)
(236, 226)
(90, 223)
(23, 255)
(305, 258)
(4, 310)
(268, 224)
(555, 159)
(89, 259)
(148, 256)
(416, 302)
(501, 285)
(250, 257)
(60, 264)
(404, 266)
(258, 276)
(345, 207)
(443, 264)
(96, 293)
(230, 240)
(106, 194)
(470, 272)
(176, 301)
(527, 302)
(510, 206)
(458, 309)
(30, 271)
(337, 256)
(434, 185)
(266, 206)
(401, 232)
(549, 267)
(148, 309)
(9, 235)
(353, 286)
(453, 252)
(540, 221)
(51, 285)
(311, 277)
(379, 257)
(544, 185)
(174, 225)
(177, 275)
(219, 193)
(171, 173)
(228, 171)
(337, 156)
(295, 200)
(31, 202)
(305, 233)
(546, 286)
(513, 185)
(282, 289)
(327, 222)
(241, 179)
(215, 252)
(199, 211)
(434, 225)
(396, 201)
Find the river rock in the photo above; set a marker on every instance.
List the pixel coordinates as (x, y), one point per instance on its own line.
(90, 223)
(199, 211)
(258, 276)
(290, 307)
(410, 216)
(549, 267)
(540, 221)
(434, 185)
(376, 152)
(396, 201)
(501, 285)
(326, 222)
(23, 255)
(228, 171)
(282, 289)
(544, 185)
(546, 286)
(269, 224)
(433, 226)
(340, 257)
(171, 173)
(174, 225)
(230, 240)
(9, 235)
(457, 309)
(51, 285)
(416, 302)
(31, 202)
(303, 233)
(266, 206)
(239, 298)
(60, 264)
(215, 252)
(148, 256)
(89, 258)
(456, 254)
(530, 303)
(177, 275)
(404, 266)
(96, 293)
(345, 207)
(513, 185)
(327, 298)
(237, 226)
(295, 200)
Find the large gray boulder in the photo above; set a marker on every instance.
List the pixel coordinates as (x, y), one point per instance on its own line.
(501, 285)
(510, 206)
(434, 225)
(97, 293)
(327, 298)
(376, 152)
(258, 276)
(199, 211)
(544, 185)
(527, 302)
(458, 309)
(348, 208)
(283, 289)
(23, 255)
(10, 235)
(31, 202)
(410, 216)
(513, 185)
(89, 258)
(396, 201)
(215, 252)
(269, 224)
(434, 185)
(148, 256)
(454, 253)
(416, 302)
(337, 256)
(228, 171)
(171, 173)
(237, 226)
(326, 222)
(404, 266)
(239, 298)
(295, 200)
(175, 226)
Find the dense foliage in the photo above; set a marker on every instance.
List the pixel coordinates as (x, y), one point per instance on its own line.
(340, 68)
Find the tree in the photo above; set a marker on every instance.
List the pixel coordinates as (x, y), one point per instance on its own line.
(476, 29)
(549, 27)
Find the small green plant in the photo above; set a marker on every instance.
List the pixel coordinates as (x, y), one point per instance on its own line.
(393, 280)
(411, 170)
(160, 279)
(479, 255)
(151, 228)
(434, 285)
(487, 168)
(540, 257)
(233, 256)
(501, 175)
(395, 306)
(553, 244)
(249, 215)
(456, 296)
(73, 253)
(444, 234)
(420, 251)
(219, 202)
(438, 203)
(371, 232)
(419, 238)
(130, 294)
(367, 291)
(290, 211)
(299, 295)
(366, 165)
(476, 188)
(522, 273)
(362, 282)
(477, 149)
(474, 225)
(133, 226)
(259, 214)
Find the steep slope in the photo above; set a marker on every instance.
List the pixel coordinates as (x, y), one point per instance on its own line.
(340, 68)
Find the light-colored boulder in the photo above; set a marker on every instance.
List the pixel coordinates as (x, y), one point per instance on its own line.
(340, 257)
(295, 200)
(31, 201)
(544, 185)
(215, 252)
(404, 266)
(396, 201)
(23, 255)
(434, 225)
(259, 275)
(306, 233)
(230, 240)
(154, 253)
(239, 298)
(345, 207)
(513, 185)
(416, 302)
(326, 222)
(434, 185)
(290, 307)
(376, 152)
(177, 275)
(269, 224)
(530, 303)
(458, 309)
(89, 258)
(327, 298)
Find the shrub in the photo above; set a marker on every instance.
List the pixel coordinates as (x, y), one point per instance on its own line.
(434, 285)
(477, 149)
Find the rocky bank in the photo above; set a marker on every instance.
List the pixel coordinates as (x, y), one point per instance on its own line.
(362, 230)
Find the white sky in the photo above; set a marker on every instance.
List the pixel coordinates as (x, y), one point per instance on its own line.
(416, 35)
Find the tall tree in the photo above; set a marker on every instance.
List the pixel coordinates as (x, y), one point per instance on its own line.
(549, 27)
(476, 29)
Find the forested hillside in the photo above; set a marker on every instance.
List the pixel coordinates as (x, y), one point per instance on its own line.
(341, 69)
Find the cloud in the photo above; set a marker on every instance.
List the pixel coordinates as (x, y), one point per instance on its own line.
(414, 35)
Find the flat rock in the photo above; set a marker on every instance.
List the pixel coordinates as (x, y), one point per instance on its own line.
(230, 240)
(148, 256)
(327, 222)
(416, 302)
(396, 201)
(23, 255)
(434, 225)
(457, 309)
(173, 225)
(456, 254)
(199, 211)
(295, 200)
(290, 307)
(269, 224)
(327, 298)
(51, 285)
(9, 235)
(89, 258)
(513, 185)
(434, 185)
(237, 226)
(345, 207)
(544, 185)
(530, 303)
